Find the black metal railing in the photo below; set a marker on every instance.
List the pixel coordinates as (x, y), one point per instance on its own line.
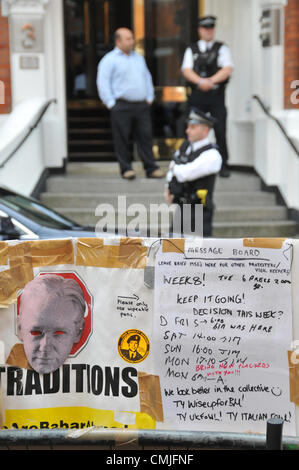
(266, 110)
(30, 130)
(122, 439)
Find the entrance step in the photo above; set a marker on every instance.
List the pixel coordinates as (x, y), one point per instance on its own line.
(79, 156)
(89, 133)
(242, 208)
(264, 228)
(90, 177)
(92, 200)
(222, 216)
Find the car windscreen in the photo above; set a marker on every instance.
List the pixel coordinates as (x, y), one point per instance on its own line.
(36, 212)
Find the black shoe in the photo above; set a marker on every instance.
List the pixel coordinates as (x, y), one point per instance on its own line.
(224, 172)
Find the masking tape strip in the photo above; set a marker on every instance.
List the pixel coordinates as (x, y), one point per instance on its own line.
(23, 257)
(150, 396)
(20, 256)
(129, 253)
(175, 245)
(13, 280)
(20, 272)
(294, 377)
(52, 252)
(8, 300)
(88, 251)
(132, 253)
(263, 242)
(17, 357)
(3, 253)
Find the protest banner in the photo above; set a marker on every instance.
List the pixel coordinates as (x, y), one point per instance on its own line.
(148, 334)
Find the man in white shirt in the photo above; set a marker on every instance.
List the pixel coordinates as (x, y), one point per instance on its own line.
(207, 66)
(191, 175)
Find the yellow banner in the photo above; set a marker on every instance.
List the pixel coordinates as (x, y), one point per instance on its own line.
(72, 418)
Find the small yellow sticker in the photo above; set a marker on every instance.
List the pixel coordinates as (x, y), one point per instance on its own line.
(133, 346)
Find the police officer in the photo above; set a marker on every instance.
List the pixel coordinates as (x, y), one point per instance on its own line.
(207, 66)
(192, 172)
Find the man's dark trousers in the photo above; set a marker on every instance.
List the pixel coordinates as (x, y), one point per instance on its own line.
(213, 102)
(132, 119)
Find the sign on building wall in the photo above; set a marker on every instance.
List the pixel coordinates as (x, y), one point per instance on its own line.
(27, 35)
(147, 333)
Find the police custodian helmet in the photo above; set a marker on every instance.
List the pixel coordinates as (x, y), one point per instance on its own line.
(207, 21)
(199, 117)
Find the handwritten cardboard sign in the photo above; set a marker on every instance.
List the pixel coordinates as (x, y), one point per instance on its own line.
(223, 322)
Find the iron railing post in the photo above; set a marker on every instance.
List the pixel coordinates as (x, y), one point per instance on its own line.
(274, 434)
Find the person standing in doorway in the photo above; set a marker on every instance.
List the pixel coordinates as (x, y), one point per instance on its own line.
(125, 86)
(207, 66)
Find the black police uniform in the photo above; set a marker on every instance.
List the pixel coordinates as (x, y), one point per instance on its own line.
(213, 101)
(197, 191)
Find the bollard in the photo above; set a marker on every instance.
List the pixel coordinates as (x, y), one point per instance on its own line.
(274, 434)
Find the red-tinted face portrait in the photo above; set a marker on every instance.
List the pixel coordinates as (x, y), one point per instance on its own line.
(51, 320)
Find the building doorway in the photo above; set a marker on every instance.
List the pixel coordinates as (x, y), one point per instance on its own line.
(89, 27)
(162, 29)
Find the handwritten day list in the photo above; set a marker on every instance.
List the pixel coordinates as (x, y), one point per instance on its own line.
(223, 326)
